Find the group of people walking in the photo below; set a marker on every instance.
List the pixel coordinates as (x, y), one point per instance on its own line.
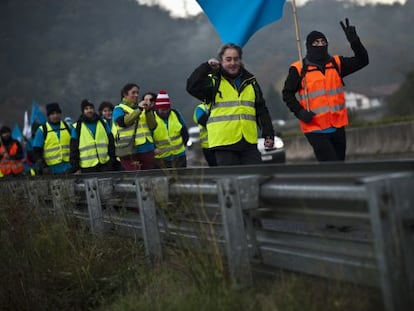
(146, 133)
(134, 135)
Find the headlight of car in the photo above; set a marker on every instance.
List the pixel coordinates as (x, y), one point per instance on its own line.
(278, 143)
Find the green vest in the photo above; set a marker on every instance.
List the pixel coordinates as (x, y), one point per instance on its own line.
(233, 116)
(93, 150)
(168, 140)
(56, 149)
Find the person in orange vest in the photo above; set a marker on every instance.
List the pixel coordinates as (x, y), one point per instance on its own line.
(11, 154)
(320, 105)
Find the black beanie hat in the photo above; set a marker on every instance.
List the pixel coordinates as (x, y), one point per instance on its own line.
(86, 103)
(312, 36)
(52, 107)
(5, 129)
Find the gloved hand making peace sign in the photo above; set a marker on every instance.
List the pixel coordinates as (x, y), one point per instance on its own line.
(349, 30)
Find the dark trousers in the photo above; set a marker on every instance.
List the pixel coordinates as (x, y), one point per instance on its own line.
(234, 157)
(328, 146)
(210, 157)
(178, 162)
(138, 161)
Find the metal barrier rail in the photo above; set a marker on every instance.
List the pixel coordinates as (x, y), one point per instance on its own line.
(351, 221)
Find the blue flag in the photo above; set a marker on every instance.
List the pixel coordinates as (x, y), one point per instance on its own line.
(17, 133)
(37, 115)
(237, 20)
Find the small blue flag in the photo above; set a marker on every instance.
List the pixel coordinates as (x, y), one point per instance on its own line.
(17, 133)
(237, 20)
(37, 115)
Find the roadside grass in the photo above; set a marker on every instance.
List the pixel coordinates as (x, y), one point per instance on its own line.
(54, 263)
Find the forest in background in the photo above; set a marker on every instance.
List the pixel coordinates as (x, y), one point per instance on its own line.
(64, 51)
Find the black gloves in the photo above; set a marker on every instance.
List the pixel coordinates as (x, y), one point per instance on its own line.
(305, 115)
(350, 31)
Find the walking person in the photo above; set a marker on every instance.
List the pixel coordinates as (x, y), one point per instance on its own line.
(92, 146)
(170, 135)
(318, 81)
(51, 144)
(135, 120)
(200, 117)
(237, 107)
(11, 154)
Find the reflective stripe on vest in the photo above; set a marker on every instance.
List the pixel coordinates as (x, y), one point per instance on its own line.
(326, 97)
(93, 150)
(233, 116)
(168, 140)
(56, 149)
(124, 134)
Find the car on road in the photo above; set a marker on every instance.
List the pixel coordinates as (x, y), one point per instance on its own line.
(276, 154)
(194, 136)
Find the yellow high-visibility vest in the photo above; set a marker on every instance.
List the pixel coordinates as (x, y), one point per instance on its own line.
(56, 149)
(168, 140)
(93, 150)
(233, 115)
(124, 134)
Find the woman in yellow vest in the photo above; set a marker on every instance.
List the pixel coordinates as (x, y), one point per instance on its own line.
(135, 120)
(170, 135)
(320, 106)
(92, 144)
(237, 107)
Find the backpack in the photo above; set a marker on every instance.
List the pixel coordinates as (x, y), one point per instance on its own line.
(45, 131)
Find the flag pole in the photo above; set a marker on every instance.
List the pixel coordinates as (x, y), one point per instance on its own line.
(298, 43)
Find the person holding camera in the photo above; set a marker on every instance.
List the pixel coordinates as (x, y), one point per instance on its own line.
(134, 121)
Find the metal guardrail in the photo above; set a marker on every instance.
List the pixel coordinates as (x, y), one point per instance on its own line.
(347, 221)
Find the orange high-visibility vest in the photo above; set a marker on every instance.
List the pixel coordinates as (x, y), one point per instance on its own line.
(8, 166)
(326, 97)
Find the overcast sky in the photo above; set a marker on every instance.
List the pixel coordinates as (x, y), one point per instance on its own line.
(180, 8)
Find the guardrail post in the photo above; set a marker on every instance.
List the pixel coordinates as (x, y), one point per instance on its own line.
(106, 192)
(33, 192)
(249, 198)
(234, 231)
(146, 190)
(57, 190)
(94, 205)
(391, 205)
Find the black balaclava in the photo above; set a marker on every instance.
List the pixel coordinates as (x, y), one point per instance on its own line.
(317, 54)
